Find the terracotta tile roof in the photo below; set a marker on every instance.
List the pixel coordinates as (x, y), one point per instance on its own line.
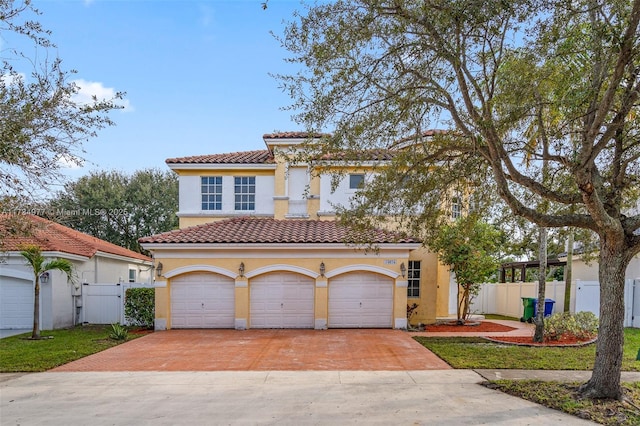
(51, 236)
(262, 156)
(244, 230)
(294, 135)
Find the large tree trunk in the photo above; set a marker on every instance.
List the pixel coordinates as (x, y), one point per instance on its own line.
(35, 333)
(605, 379)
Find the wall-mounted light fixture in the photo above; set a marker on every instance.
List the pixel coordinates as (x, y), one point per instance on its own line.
(403, 270)
(241, 269)
(44, 277)
(322, 269)
(159, 269)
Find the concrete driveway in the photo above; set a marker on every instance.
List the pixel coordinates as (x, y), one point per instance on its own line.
(260, 350)
(436, 397)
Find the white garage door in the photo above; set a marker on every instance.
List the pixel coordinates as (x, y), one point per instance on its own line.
(282, 300)
(360, 299)
(202, 300)
(16, 303)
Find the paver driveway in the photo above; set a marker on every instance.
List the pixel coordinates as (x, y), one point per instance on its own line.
(218, 350)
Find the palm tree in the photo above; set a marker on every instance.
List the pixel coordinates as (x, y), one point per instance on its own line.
(35, 259)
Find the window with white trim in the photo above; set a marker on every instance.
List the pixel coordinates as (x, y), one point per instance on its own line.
(413, 275)
(356, 181)
(245, 192)
(211, 190)
(132, 275)
(456, 207)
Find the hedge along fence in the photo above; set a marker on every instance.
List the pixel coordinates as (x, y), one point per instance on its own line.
(139, 306)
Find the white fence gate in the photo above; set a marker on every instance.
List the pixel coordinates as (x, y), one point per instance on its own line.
(506, 298)
(104, 303)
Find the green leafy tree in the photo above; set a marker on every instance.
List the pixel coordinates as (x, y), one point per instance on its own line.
(35, 259)
(117, 207)
(42, 123)
(470, 248)
(379, 73)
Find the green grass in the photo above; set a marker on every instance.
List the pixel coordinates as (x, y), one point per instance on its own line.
(564, 397)
(500, 317)
(19, 354)
(474, 352)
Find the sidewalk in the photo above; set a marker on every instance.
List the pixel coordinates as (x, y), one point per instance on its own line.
(549, 375)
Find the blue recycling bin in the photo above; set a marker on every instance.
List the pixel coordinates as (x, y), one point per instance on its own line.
(548, 307)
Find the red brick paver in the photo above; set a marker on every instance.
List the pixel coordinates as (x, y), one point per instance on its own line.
(218, 350)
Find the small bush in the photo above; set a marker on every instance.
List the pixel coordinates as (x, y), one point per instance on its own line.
(118, 332)
(139, 306)
(582, 325)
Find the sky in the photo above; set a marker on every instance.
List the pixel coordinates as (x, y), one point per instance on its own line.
(195, 73)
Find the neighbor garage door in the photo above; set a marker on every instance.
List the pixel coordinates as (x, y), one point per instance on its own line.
(360, 299)
(202, 300)
(16, 303)
(282, 300)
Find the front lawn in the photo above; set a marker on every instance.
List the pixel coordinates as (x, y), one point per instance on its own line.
(475, 352)
(564, 397)
(18, 354)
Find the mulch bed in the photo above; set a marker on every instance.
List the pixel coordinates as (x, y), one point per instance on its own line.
(473, 327)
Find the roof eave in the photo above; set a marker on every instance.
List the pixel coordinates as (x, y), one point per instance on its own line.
(221, 166)
(275, 246)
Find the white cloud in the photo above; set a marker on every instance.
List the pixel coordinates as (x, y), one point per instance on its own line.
(88, 89)
(10, 80)
(69, 162)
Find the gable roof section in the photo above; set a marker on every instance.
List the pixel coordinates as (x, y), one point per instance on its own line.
(249, 230)
(51, 236)
(262, 156)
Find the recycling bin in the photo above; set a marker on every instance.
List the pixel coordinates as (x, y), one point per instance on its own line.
(529, 304)
(548, 307)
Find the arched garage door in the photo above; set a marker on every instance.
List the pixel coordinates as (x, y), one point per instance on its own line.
(360, 300)
(16, 303)
(202, 300)
(282, 300)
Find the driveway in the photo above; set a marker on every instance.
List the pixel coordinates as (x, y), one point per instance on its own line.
(264, 350)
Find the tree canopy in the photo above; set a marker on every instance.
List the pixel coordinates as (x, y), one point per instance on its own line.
(513, 86)
(471, 248)
(42, 123)
(117, 207)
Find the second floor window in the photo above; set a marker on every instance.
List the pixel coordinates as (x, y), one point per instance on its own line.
(456, 208)
(245, 192)
(211, 188)
(413, 273)
(356, 181)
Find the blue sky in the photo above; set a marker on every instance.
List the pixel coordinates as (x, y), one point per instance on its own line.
(195, 73)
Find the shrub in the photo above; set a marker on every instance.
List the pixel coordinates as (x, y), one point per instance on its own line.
(582, 325)
(118, 332)
(139, 306)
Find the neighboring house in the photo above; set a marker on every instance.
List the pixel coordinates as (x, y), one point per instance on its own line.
(258, 247)
(94, 260)
(589, 271)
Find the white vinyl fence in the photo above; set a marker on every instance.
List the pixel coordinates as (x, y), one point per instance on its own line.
(104, 303)
(506, 298)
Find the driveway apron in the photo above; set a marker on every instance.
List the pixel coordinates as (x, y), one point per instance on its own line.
(260, 350)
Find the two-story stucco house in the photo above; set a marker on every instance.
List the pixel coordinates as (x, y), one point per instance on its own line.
(258, 247)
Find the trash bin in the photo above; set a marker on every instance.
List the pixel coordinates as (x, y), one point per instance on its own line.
(529, 304)
(548, 307)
